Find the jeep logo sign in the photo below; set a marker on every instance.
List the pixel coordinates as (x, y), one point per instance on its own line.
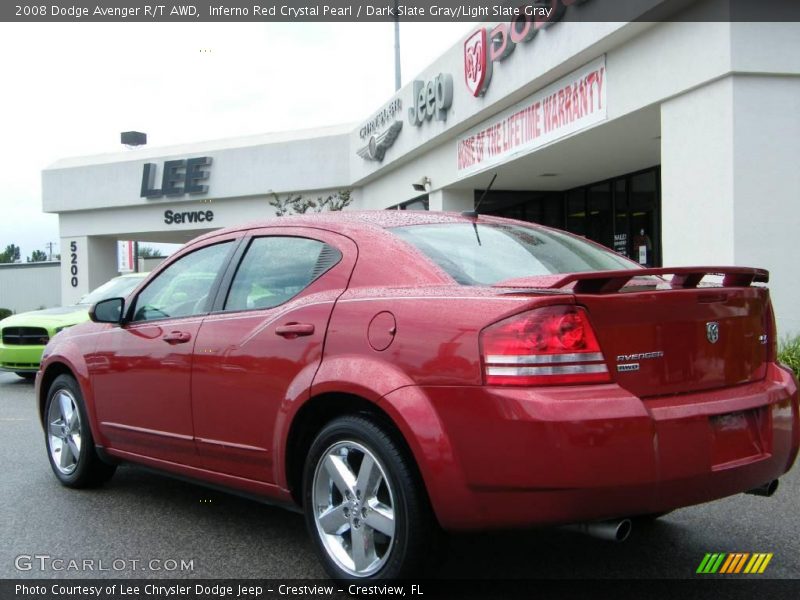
(431, 99)
(179, 177)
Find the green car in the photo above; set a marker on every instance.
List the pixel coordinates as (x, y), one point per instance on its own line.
(24, 336)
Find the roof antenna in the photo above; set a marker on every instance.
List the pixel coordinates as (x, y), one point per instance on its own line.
(473, 214)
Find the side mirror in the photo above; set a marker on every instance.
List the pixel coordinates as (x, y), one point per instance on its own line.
(108, 311)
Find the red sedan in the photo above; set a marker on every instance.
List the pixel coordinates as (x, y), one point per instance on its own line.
(396, 374)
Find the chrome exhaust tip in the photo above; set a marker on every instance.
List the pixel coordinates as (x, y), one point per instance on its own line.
(614, 531)
(766, 490)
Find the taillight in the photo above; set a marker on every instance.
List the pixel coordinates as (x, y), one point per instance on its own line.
(554, 345)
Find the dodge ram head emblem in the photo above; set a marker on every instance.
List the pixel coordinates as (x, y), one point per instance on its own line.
(712, 332)
(477, 67)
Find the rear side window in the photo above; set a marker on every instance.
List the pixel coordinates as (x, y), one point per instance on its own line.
(276, 269)
(489, 253)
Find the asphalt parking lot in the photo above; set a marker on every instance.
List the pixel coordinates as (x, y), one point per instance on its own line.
(140, 517)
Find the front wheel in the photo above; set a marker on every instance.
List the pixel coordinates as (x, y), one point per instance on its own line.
(364, 505)
(70, 446)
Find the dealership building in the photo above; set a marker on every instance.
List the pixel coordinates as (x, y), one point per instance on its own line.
(675, 143)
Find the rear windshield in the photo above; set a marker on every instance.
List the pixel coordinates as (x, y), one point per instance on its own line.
(489, 253)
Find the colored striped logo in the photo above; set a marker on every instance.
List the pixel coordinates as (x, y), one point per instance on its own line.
(734, 563)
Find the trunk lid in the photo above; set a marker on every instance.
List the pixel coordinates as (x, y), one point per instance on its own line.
(671, 336)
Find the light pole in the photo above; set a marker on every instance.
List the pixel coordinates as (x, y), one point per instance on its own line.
(396, 48)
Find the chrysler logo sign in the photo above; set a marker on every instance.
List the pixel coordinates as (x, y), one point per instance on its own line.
(378, 144)
(384, 117)
(381, 131)
(487, 46)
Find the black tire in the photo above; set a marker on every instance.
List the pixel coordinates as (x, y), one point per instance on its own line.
(27, 376)
(415, 530)
(88, 470)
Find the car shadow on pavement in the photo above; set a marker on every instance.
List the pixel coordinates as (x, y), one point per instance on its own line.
(559, 554)
(279, 538)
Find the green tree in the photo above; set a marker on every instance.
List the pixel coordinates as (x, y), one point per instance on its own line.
(37, 256)
(304, 205)
(283, 206)
(148, 252)
(336, 201)
(10, 254)
(300, 205)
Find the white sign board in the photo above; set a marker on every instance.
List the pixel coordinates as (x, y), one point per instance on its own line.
(125, 257)
(571, 104)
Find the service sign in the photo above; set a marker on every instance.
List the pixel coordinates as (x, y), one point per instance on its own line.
(576, 102)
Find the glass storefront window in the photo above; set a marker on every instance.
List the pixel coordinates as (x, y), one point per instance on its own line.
(623, 213)
(622, 237)
(576, 212)
(600, 218)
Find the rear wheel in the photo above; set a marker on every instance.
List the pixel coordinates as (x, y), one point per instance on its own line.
(70, 446)
(365, 508)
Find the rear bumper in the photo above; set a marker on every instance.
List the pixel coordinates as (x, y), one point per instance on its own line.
(524, 457)
(20, 358)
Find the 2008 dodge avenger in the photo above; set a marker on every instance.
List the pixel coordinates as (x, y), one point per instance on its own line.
(399, 374)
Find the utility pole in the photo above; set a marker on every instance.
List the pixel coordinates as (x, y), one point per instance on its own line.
(49, 246)
(396, 48)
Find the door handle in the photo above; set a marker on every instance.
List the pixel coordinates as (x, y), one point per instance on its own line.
(294, 330)
(177, 337)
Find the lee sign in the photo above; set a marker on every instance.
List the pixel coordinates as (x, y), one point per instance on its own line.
(575, 102)
(184, 176)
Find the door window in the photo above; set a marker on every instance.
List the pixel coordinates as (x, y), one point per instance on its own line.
(182, 289)
(276, 269)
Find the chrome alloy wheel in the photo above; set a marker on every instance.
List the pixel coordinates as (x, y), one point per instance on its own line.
(64, 431)
(354, 508)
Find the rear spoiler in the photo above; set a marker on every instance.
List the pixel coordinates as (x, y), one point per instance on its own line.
(607, 282)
